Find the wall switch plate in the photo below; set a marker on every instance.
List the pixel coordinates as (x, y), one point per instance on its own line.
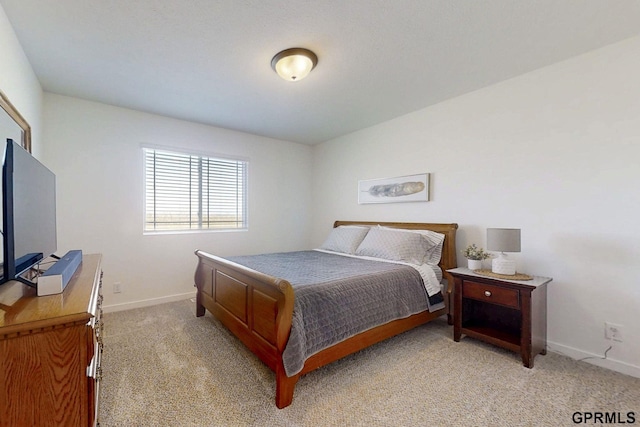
(117, 287)
(613, 331)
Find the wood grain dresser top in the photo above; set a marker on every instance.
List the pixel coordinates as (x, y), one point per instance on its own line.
(22, 310)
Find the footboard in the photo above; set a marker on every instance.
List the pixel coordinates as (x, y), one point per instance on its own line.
(255, 307)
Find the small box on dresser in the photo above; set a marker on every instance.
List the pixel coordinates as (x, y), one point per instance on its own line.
(508, 313)
(50, 351)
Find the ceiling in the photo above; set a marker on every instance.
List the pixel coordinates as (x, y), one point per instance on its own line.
(209, 61)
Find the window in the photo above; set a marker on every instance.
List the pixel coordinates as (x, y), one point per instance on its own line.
(193, 192)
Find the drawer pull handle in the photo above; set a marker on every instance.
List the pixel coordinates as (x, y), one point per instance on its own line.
(487, 293)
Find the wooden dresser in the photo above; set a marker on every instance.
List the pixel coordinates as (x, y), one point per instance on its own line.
(50, 350)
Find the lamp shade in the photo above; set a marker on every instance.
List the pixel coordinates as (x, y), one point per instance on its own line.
(503, 239)
(294, 64)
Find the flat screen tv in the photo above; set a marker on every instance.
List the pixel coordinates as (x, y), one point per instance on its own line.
(28, 213)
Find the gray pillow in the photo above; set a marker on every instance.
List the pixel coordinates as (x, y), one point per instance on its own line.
(434, 244)
(345, 239)
(393, 245)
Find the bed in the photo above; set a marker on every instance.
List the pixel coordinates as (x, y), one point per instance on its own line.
(258, 308)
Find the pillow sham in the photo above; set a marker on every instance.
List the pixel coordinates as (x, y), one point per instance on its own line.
(434, 240)
(393, 245)
(345, 239)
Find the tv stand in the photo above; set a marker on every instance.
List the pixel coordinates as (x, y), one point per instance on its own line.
(26, 282)
(50, 351)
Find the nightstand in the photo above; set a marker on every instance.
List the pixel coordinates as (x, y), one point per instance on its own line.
(508, 313)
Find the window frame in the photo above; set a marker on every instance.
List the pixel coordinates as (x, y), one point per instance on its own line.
(244, 225)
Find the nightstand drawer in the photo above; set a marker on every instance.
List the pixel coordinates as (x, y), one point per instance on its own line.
(490, 293)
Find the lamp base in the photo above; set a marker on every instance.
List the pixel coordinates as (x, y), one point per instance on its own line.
(503, 265)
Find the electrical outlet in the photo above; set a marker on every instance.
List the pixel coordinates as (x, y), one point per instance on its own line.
(613, 331)
(117, 287)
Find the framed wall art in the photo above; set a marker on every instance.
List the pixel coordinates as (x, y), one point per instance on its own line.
(410, 188)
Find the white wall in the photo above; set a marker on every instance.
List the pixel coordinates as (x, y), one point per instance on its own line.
(95, 152)
(19, 82)
(556, 153)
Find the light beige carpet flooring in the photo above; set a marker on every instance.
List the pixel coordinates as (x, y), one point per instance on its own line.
(162, 366)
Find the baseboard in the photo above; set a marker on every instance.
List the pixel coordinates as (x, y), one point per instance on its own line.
(595, 359)
(147, 302)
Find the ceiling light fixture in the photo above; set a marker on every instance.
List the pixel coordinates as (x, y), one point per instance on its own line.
(294, 64)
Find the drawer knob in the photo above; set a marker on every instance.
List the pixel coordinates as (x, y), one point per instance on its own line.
(487, 293)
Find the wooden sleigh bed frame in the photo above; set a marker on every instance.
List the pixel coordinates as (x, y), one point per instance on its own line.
(258, 308)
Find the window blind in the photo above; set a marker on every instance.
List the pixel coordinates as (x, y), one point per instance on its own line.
(193, 192)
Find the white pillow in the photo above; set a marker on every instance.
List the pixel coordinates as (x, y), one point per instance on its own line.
(434, 244)
(393, 245)
(345, 239)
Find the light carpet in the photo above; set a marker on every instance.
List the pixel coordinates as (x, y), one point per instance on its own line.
(163, 366)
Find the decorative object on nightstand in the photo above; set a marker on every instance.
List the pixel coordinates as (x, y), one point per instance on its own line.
(474, 256)
(505, 312)
(503, 240)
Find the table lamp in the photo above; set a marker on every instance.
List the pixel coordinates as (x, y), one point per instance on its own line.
(503, 240)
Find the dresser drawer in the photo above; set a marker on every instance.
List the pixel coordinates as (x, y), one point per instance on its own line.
(491, 293)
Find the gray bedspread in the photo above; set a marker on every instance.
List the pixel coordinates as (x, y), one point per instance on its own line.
(337, 297)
